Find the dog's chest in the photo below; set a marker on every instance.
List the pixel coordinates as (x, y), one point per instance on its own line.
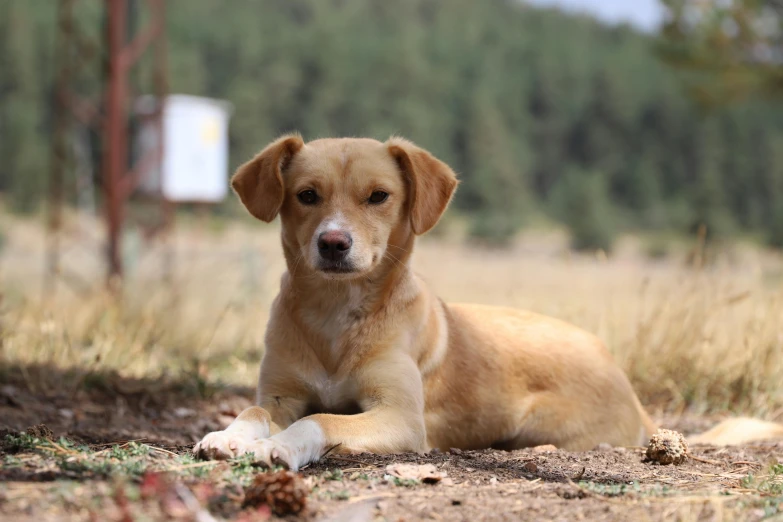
(332, 395)
(337, 326)
(336, 320)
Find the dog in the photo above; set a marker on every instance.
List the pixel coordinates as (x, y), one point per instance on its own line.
(362, 357)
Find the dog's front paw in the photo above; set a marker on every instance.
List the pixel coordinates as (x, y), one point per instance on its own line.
(222, 445)
(275, 453)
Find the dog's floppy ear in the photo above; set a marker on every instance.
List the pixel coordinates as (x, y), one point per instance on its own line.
(259, 182)
(432, 183)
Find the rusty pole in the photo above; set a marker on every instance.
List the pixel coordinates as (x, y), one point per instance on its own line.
(115, 135)
(121, 56)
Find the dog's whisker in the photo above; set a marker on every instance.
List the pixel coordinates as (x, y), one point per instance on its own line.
(296, 264)
(394, 259)
(399, 248)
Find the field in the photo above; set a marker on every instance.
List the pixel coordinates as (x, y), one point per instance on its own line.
(125, 386)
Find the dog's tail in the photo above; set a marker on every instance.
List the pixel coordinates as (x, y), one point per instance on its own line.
(740, 430)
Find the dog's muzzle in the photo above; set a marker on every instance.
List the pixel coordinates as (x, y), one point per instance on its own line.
(333, 248)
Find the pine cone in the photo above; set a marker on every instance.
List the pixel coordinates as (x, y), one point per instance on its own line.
(667, 447)
(284, 492)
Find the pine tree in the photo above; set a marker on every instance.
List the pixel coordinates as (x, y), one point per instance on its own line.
(547, 132)
(24, 153)
(582, 202)
(602, 135)
(496, 176)
(707, 193)
(494, 88)
(771, 176)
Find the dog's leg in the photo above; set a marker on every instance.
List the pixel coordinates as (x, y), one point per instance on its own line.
(307, 440)
(278, 407)
(253, 424)
(392, 423)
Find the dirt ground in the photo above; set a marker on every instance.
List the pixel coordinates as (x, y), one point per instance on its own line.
(114, 449)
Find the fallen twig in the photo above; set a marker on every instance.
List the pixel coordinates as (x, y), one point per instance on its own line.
(706, 461)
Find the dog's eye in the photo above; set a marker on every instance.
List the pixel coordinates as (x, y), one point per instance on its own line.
(308, 197)
(378, 196)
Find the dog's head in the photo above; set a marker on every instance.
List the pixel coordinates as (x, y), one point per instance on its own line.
(344, 202)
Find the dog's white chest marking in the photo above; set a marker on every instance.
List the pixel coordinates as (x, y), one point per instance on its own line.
(336, 320)
(334, 394)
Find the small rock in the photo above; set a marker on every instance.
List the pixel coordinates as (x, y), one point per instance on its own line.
(545, 448)
(604, 446)
(530, 467)
(184, 412)
(455, 451)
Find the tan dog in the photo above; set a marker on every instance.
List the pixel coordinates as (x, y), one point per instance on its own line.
(361, 356)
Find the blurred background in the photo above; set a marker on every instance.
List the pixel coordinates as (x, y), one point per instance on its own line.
(621, 166)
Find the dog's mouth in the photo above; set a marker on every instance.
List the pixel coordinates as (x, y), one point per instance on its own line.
(339, 267)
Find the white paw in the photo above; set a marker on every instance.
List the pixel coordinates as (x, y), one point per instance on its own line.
(221, 445)
(275, 453)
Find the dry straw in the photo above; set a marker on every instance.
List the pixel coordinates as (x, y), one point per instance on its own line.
(709, 339)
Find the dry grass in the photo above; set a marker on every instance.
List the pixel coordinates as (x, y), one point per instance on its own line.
(709, 339)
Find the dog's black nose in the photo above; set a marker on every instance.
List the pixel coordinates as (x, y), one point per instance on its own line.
(334, 245)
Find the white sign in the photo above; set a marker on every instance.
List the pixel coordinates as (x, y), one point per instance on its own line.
(195, 149)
